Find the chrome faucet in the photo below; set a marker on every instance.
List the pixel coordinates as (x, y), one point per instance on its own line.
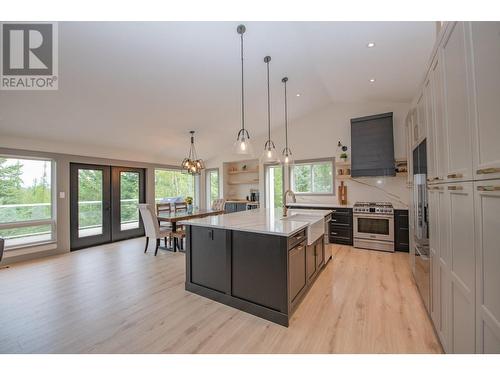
(285, 208)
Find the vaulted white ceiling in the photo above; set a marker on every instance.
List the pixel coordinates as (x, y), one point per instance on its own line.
(141, 86)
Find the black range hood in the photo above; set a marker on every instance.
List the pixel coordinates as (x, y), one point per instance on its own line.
(372, 146)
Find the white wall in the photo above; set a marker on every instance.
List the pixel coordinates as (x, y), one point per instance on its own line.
(316, 135)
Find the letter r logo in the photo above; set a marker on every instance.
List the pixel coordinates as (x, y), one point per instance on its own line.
(27, 49)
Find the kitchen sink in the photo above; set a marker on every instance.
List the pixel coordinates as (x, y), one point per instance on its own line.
(316, 227)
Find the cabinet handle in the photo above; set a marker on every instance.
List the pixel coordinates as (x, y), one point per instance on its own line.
(455, 175)
(435, 188)
(488, 188)
(455, 188)
(334, 233)
(488, 170)
(334, 220)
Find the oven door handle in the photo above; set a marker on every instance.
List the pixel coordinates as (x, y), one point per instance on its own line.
(376, 216)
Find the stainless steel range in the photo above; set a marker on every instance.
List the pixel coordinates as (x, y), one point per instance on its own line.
(373, 225)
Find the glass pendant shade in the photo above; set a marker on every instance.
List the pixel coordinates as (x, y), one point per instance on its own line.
(269, 155)
(287, 157)
(243, 146)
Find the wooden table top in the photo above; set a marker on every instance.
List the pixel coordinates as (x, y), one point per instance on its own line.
(184, 215)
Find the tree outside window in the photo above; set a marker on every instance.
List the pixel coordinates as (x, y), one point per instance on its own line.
(313, 177)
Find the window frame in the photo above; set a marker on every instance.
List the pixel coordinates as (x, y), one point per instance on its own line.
(312, 162)
(208, 186)
(32, 223)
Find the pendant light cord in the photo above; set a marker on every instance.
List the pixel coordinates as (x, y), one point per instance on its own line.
(242, 90)
(286, 121)
(268, 107)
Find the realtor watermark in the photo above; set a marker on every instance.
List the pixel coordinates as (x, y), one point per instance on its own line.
(29, 56)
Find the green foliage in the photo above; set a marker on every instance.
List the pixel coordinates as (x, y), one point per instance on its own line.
(170, 183)
(312, 178)
(278, 186)
(13, 195)
(10, 182)
(214, 186)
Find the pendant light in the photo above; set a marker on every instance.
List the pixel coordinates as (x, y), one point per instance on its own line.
(286, 154)
(192, 164)
(242, 145)
(269, 154)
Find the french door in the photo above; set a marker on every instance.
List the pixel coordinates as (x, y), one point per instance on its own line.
(103, 204)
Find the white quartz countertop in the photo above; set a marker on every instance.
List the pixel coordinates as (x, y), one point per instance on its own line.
(262, 220)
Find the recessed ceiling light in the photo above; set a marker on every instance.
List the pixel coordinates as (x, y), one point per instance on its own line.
(372, 80)
(370, 45)
(297, 94)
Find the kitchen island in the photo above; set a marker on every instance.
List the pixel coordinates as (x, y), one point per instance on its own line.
(255, 261)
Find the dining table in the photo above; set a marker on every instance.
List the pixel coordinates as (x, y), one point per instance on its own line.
(173, 217)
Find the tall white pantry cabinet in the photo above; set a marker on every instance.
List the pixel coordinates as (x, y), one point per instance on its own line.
(457, 111)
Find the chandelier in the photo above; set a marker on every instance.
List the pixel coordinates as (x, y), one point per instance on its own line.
(192, 164)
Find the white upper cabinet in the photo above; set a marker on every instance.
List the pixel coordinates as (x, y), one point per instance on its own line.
(486, 88)
(439, 142)
(457, 105)
(429, 122)
(421, 119)
(487, 221)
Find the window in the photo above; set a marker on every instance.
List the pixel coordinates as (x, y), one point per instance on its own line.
(170, 183)
(212, 185)
(26, 204)
(274, 186)
(312, 177)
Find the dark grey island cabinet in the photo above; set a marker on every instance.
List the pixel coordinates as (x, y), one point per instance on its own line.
(263, 274)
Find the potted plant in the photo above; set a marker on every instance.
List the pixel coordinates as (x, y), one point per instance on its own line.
(189, 202)
(343, 156)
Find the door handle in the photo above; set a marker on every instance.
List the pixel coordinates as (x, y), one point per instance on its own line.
(488, 188)
(455, 175)
(488, 170)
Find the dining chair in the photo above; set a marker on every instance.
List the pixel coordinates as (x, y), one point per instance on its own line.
(163, 207)
(180, 206)
(152, 227)
(167, 209)
(219, 204)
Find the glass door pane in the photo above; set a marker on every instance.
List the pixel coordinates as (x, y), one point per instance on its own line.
(212, 186)
(127, 191)
(89, 205)
(274, 186)
(129, 199)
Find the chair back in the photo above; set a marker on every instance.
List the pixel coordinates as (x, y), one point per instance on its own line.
(151, 226)
(163, 207)
(180, 206)
(219, 204)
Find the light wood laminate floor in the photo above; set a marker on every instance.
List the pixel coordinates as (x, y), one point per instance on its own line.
(116, 299)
